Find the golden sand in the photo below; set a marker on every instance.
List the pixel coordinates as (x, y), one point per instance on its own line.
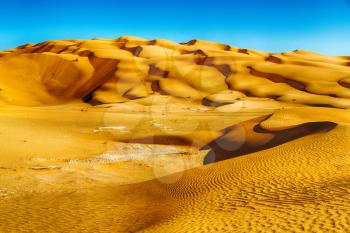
(111, 136)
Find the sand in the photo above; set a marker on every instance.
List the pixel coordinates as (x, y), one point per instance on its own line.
(135, 135)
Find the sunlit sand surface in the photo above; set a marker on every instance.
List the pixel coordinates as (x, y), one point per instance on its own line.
(133, 135)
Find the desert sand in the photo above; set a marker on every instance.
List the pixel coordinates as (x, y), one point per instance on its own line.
(135, 135)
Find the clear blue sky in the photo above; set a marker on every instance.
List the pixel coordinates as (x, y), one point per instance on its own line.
(269, 25)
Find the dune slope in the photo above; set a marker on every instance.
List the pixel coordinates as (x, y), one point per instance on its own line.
(101, 71)
(297, 186)
(135, 135)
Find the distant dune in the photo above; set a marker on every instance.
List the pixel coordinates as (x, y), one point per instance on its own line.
(103, 71)
(135, 135)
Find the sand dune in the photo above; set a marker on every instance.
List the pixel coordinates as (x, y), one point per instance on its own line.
(136, 135)
(104, 71)
(297, 186)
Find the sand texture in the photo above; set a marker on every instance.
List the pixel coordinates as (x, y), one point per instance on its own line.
(135, 135)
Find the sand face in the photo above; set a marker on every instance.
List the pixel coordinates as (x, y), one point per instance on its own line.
(112, 136)
(110, 71)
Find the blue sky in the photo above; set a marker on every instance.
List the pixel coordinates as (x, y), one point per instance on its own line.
(269, 25)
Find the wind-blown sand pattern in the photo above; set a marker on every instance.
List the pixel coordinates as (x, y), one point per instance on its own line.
(135, 135)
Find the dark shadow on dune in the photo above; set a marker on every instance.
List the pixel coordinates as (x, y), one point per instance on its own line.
(273, 59)
(152, 42)
(160, 139)
(208, 102)
(225, 69)
(323, 106)
(245, 51)
(104, 69)
(191, 42)
(195, 52)
(134, 50)
(42, 47)
(344, 84)
(278, 79)
(154, 70)
(218, 153)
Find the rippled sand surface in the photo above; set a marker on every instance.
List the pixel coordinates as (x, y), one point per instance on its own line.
(135, 135)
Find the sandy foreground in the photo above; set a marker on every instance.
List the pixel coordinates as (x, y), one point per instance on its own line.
(132, 135)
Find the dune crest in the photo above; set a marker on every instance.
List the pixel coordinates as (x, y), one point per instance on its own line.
(256, 138)
(102, 71)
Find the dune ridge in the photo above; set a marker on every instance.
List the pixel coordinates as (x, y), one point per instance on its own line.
(256, 138)
(102, 71)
